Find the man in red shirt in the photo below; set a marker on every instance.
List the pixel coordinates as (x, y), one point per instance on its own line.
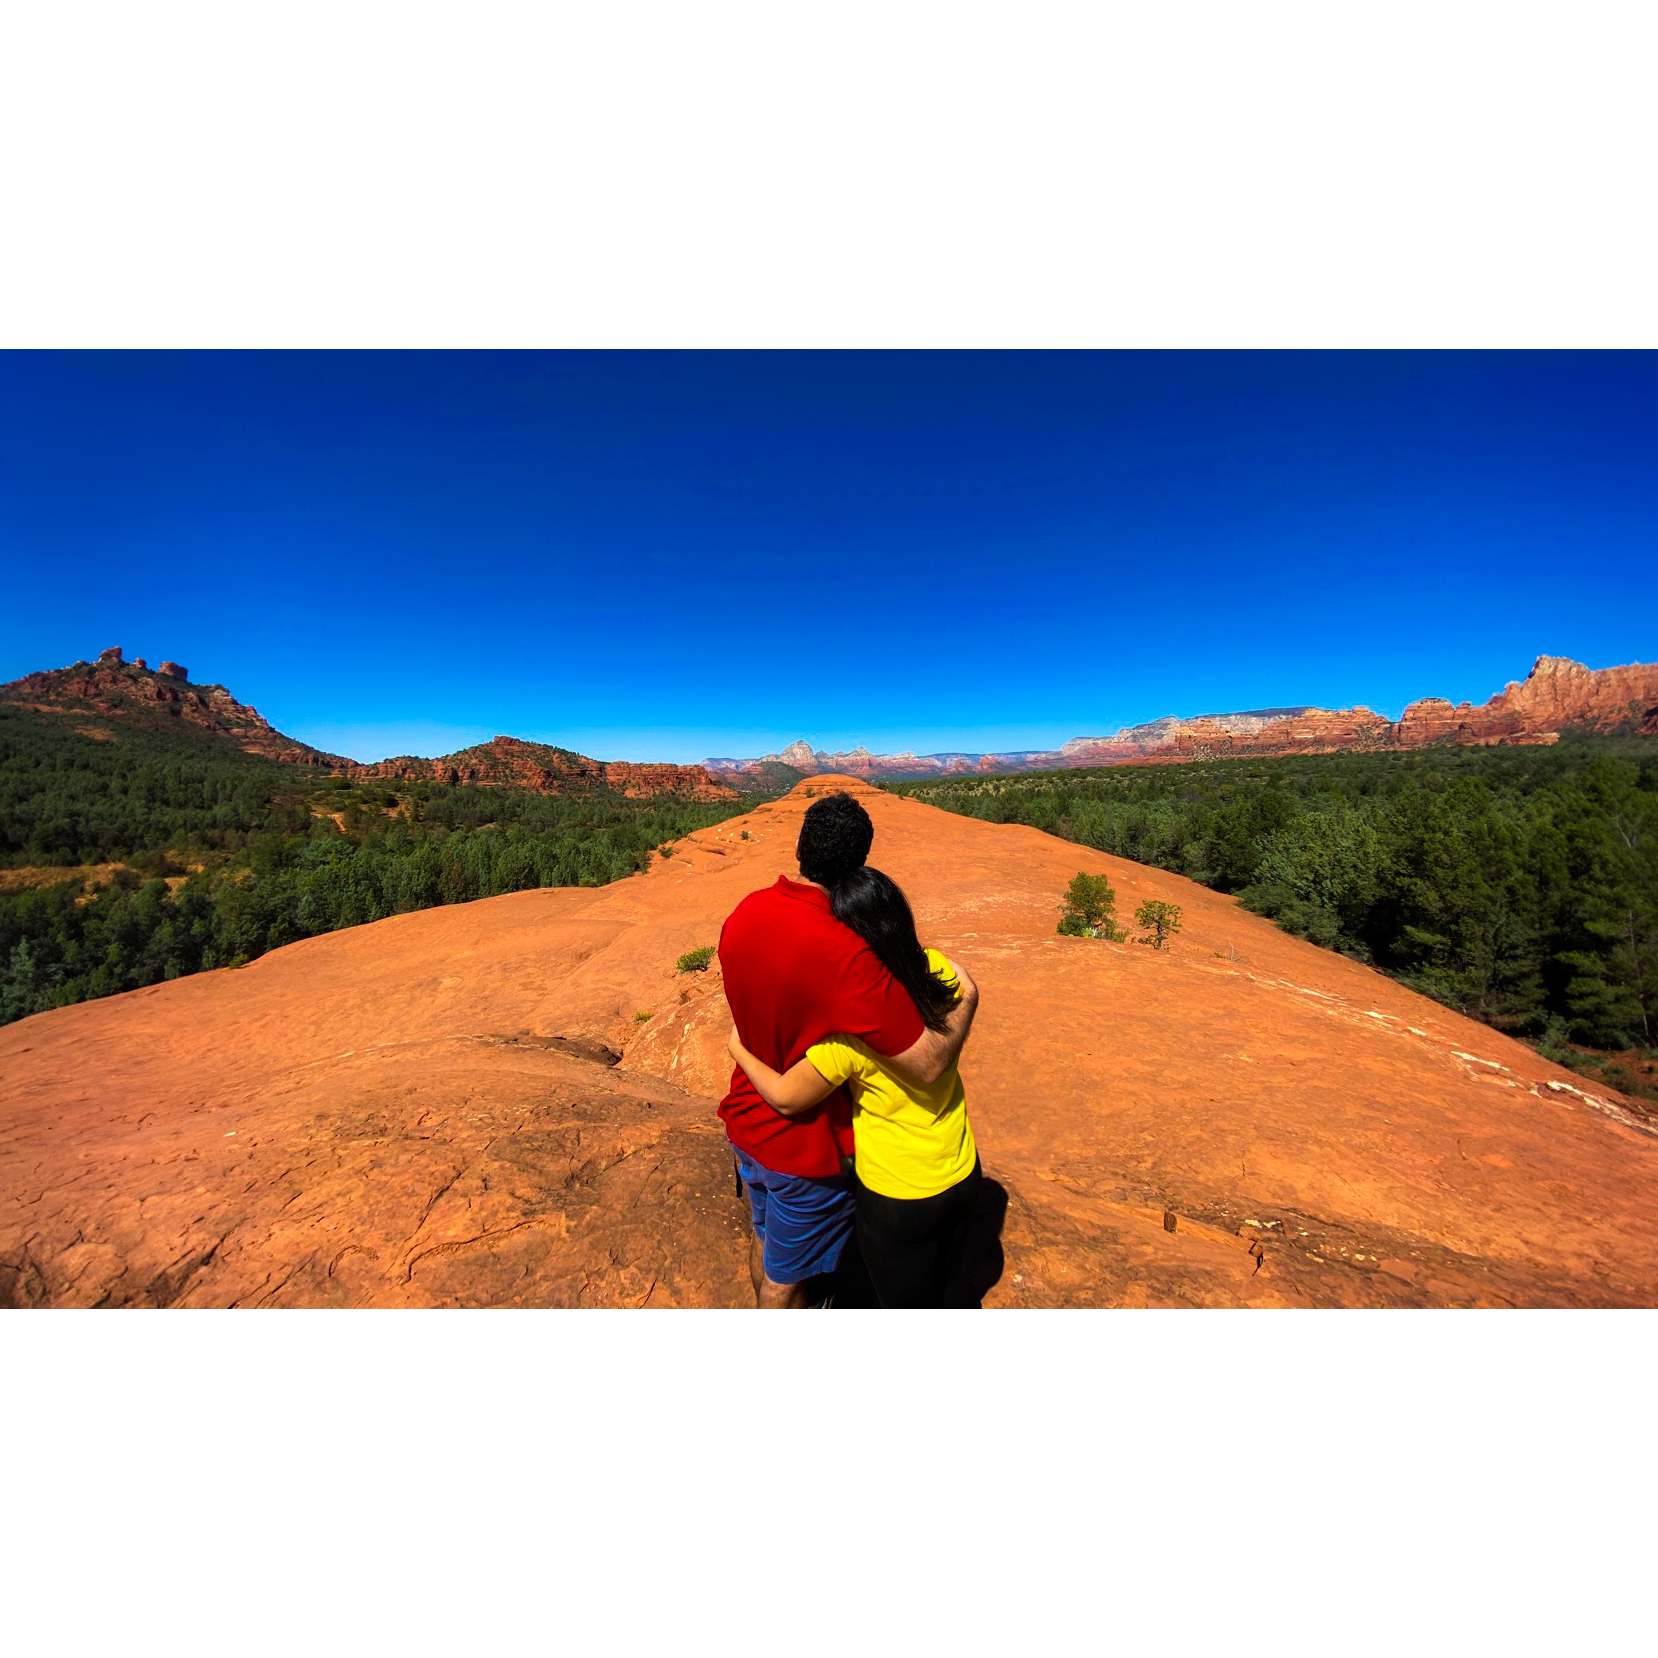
(793, 976)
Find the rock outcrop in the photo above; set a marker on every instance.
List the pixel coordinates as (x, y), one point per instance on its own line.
(161, 701)
(1557, 697)
(548, 770)
(165, 700)
(423, 1112)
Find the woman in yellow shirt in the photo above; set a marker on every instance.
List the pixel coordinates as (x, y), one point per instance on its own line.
(916, 1173)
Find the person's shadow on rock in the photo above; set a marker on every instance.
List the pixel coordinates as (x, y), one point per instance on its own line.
(982, 1258)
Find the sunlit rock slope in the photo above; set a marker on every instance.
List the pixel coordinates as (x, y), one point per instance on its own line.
(426, 1112)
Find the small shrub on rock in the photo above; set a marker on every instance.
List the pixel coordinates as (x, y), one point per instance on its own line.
(1089, 908)
(696, 961)
(1161, 922)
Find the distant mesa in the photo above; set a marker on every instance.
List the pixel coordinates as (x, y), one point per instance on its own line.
(1559, 696)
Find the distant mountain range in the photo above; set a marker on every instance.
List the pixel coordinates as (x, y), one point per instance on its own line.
(1558, 697)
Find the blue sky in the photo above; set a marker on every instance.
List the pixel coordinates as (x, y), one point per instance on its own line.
(676, 555)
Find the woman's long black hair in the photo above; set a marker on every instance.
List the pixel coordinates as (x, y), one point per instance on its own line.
(873, 905)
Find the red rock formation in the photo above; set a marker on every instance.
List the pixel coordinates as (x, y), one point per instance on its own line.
(1557, 695)
(131, 692)
(402, 1114)
(1312, 731)
(128, 690)
(547, 770)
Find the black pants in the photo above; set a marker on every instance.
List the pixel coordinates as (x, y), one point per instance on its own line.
(916, 1247)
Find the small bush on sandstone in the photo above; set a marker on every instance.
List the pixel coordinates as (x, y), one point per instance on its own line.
(696, 961)
(1161, 922)
(1089, 908)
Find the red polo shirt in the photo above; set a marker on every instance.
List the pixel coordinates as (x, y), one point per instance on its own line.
(794, 975)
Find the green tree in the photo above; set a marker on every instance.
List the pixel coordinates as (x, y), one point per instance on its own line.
(1160, 920)
(1089, 908)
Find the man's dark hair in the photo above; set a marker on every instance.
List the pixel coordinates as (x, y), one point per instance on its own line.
(835, 838)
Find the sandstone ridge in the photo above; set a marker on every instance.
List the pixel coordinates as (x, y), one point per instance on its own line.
(1558, 696)
(548, 770)
(164, 699)
(430, 1111)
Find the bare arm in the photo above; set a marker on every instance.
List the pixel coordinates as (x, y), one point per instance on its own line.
(788, 1092)
(932, 1053)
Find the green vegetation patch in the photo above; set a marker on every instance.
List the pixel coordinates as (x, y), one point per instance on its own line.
(222, 856)
(1517, 885)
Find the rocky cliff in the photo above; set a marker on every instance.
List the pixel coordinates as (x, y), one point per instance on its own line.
(512, 1103)
(1558, 697)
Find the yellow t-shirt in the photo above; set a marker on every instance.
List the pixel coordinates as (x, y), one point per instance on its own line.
(909, 1141)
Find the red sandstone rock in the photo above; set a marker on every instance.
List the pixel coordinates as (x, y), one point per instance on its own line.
(548, 770)
(128, 690)
(382, 1117)
(117, 689)
(1557, 694)
(113, 654)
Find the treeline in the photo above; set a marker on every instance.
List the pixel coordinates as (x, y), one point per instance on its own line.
(219, 861)
(1518, 885)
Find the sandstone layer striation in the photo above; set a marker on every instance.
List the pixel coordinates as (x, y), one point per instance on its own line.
(1558, 697)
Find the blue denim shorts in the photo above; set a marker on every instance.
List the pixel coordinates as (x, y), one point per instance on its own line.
(802, 1223)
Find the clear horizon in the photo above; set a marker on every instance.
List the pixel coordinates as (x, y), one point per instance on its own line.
(692, 555)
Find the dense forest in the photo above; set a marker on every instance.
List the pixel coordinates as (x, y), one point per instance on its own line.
(178, 854)
(1518, 885)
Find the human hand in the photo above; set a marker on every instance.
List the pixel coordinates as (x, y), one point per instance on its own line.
(734, 1045)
